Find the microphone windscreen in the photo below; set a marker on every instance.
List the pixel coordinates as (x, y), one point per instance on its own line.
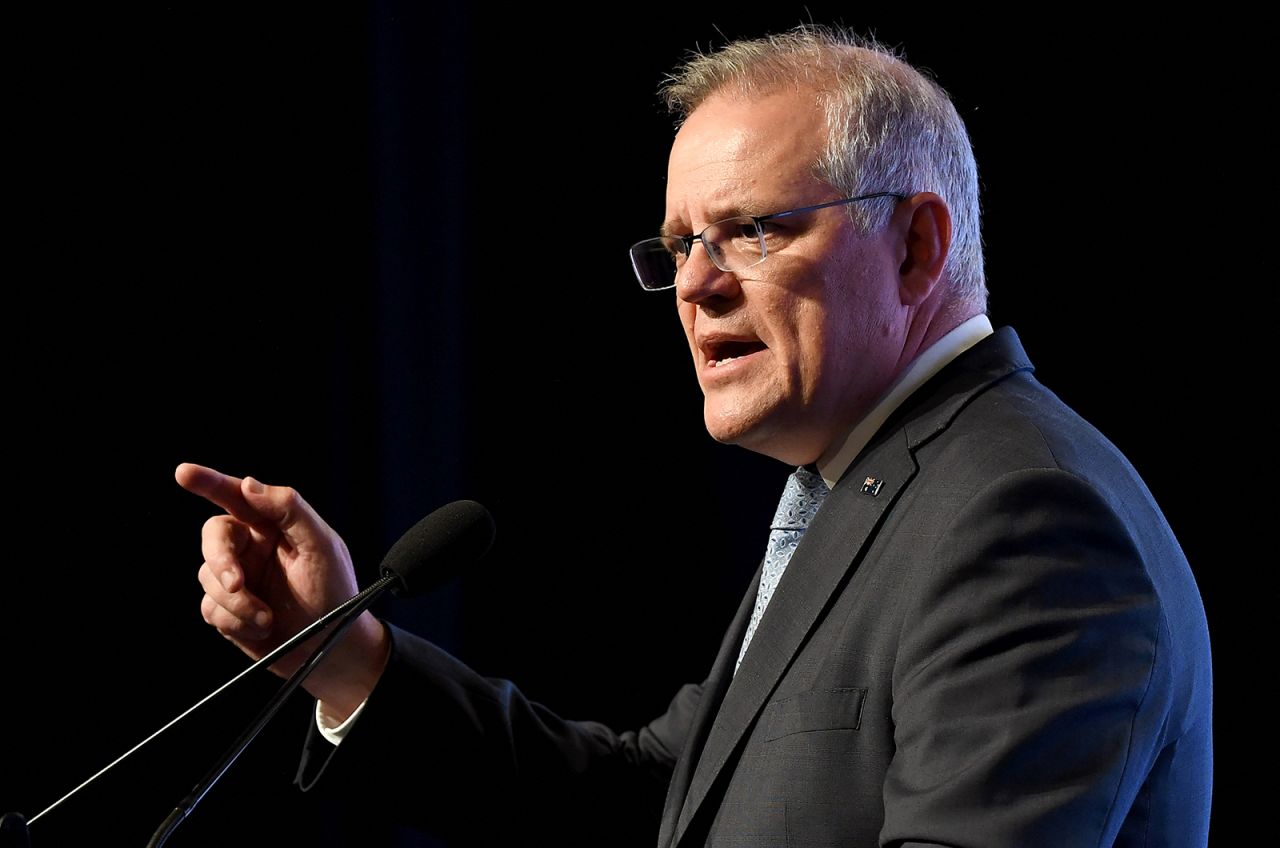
(434, 550)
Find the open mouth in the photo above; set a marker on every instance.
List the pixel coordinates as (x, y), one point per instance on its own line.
(722, 352)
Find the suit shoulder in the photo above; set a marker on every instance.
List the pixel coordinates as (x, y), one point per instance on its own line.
(1017, 424)
(1017, 445)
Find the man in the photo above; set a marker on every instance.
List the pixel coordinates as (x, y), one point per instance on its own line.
(972, 626)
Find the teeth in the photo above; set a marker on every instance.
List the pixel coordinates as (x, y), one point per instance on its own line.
(716, 363)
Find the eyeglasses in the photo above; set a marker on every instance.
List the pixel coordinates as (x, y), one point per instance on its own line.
(733, 244)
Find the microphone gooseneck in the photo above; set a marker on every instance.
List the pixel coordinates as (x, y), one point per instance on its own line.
(285, 647)
(187, 804)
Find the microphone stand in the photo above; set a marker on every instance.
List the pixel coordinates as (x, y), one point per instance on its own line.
(350, 610)
(12, 819)
(14, 828)
(453, 534)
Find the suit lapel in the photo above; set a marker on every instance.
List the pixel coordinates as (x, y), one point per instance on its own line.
(824, 560)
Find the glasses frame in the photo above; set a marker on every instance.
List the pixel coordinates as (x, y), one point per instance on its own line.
(688, 240)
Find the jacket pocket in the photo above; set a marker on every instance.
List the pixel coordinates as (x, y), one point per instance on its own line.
(817, 709)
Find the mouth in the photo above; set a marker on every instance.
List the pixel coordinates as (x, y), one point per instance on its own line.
(720, 352)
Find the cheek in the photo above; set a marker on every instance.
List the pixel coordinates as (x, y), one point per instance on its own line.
(813, 336)
(832, 346)
(862, 316)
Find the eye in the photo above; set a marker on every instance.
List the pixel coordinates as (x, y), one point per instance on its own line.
(676, 251)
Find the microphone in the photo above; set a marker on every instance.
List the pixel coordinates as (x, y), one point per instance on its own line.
(434, 550)
(428, 555)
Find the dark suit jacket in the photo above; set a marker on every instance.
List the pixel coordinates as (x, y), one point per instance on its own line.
(987, 637)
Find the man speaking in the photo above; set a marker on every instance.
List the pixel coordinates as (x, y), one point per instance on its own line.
(971, 626)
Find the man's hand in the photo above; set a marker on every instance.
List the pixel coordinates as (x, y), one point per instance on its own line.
(271, 567)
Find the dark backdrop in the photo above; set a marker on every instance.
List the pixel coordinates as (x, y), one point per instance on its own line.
(380, 255)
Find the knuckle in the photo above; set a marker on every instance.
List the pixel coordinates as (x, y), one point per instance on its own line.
(220, 538)
(227, 622)
(221, 559)
(216, 525)
(208, 610)
(292, 503)
(211, 582)
(239, 605)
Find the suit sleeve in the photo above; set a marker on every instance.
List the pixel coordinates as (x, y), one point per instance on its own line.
(1027, 673)
(473, 756)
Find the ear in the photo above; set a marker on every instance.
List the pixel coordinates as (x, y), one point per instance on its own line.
(922, 225)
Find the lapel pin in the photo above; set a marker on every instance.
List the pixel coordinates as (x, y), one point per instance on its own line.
(871, 486)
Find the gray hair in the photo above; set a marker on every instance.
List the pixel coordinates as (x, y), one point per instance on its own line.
(890, 128)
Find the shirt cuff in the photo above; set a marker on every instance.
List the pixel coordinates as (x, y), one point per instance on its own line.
(335, 733)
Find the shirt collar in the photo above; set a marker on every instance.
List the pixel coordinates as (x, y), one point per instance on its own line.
(837, 458)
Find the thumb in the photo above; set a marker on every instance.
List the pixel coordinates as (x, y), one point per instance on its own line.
(283, 507)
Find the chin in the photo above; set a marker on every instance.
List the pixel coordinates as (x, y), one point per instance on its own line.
(730, 427)
(752, 434)
(766, 435)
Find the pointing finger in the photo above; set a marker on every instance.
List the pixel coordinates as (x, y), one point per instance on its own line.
(223, 490)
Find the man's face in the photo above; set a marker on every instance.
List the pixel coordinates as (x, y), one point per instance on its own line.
(817, 328)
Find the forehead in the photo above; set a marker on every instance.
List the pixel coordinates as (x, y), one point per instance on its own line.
(739, 155)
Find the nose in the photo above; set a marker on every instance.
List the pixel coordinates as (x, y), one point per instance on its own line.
(700, 279)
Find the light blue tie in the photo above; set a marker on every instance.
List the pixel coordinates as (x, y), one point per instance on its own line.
(801, 498)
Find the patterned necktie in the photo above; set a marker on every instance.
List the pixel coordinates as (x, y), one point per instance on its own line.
(801, 498)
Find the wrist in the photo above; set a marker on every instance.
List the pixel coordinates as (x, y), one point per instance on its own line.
(349, 674)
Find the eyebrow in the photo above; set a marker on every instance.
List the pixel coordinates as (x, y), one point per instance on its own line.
(669, 228)
(747, 208)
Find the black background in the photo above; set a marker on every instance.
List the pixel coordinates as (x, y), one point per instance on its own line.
(379, 254)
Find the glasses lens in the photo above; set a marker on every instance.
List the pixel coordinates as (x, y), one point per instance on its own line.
(735, 243)
(732, 244)
(655, 262)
